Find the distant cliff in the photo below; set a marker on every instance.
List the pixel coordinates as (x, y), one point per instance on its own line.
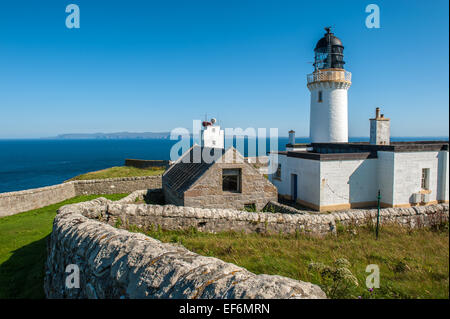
(110, 136)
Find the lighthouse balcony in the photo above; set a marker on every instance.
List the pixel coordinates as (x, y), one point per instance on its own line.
(330, 75)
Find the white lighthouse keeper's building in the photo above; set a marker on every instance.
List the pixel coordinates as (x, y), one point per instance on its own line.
(332, 174)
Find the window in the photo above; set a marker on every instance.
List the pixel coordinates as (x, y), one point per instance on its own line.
(425, 182)
(231, 180)
(319, 98)
(278, 172)
(214, 130)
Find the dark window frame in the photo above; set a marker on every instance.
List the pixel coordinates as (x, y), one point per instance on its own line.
(232, 176)
(425, 179)
(278, 172)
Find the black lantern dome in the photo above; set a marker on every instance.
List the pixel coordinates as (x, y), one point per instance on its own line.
(329, 52)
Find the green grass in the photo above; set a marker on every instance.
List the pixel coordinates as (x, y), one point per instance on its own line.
(120, 171)
(413, 264)
(23, 248)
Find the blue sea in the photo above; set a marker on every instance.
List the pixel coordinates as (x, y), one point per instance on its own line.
(35, 163)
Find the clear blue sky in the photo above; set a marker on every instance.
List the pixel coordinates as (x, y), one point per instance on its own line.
(156, 65)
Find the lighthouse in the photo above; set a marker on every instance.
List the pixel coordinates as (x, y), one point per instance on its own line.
(329, 84)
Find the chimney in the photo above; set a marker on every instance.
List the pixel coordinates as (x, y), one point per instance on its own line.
(380, 131)
(292, 137)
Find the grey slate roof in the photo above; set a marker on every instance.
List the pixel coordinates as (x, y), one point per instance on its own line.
(182, 174)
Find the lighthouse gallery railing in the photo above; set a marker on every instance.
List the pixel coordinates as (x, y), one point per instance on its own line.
(330, 75)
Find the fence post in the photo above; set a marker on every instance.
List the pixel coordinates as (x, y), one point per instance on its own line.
(378, 213)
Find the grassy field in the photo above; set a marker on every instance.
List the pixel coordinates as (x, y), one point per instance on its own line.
(413, 263)
(119, 171)
(23, 249)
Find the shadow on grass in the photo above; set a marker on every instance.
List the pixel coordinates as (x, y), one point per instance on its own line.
(22, 275)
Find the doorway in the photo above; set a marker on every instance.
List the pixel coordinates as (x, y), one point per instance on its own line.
(294, 187)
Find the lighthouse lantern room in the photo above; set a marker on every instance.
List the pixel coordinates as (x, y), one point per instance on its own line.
(328, 85)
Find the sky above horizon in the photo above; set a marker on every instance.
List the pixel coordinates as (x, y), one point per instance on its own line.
(152, 66)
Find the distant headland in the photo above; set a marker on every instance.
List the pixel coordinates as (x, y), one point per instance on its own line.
(110, 136)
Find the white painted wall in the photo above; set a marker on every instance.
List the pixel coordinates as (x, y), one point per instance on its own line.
(443, 176)
(348, 181)
(396, 175)
(380, 132)
(329, 118)
(408, 172)
(308, 178)
(274, 160)
(385, 169)
(213, 136)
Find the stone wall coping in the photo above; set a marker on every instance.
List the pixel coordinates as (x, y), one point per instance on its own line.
(126, 206)
(87, 181)
(34, 190)
(116, 179)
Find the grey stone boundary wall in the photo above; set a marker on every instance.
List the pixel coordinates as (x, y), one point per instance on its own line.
(115, 263)
(172, 217)
(116, 185)
(138, 163)
(16, 202)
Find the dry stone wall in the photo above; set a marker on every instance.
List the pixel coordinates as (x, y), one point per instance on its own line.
(116, 185)
(115, 263)
(15, 202)
(216, 220)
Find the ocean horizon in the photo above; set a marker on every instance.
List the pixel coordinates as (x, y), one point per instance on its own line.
(33, 163)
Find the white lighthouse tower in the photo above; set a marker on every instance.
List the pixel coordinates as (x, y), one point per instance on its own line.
(328, 85)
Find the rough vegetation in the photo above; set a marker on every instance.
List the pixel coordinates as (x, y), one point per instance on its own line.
(413, 263)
